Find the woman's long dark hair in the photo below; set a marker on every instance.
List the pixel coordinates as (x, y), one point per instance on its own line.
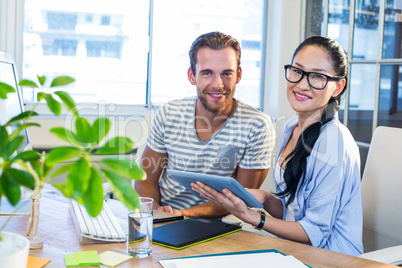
(295, 171)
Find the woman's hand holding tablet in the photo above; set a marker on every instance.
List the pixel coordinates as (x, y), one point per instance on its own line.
(216, 182)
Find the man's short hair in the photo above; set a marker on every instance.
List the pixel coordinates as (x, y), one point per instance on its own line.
(213, 40)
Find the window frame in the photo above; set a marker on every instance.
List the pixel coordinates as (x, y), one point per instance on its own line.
(379, 61)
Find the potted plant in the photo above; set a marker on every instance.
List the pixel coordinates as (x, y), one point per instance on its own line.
(85, 176)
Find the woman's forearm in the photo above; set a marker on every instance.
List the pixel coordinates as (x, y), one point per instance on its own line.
(273, 206)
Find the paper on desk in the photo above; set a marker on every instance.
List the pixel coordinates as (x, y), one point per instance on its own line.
(242, 260)
(35, 262)
(112, 259)
(82, 258)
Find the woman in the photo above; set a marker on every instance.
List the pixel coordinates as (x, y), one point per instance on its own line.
(317, 172)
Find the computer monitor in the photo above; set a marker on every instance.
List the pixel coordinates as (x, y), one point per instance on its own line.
(13, 105)
(9, 108)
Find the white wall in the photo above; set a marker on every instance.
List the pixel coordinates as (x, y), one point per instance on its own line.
(11, 29)
(284, 35)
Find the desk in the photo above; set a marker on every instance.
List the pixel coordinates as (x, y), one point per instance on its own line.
(57, 230)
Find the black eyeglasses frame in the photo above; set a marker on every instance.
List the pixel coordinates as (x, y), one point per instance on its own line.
(333, 78)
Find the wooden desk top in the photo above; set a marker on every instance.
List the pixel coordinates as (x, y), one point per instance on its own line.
(57, 230)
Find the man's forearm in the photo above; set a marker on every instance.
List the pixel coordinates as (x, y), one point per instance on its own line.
(147, 189)
(206, 210)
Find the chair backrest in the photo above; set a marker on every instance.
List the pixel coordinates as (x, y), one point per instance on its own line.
(382, 190)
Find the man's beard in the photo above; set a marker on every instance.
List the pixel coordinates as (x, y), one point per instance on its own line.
(207, 107)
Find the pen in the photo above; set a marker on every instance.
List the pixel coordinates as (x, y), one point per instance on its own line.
(168, 219)
(135, 221)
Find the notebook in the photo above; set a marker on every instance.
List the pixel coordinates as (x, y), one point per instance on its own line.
(188, 232)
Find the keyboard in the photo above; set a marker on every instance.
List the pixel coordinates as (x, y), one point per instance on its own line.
(104, 228)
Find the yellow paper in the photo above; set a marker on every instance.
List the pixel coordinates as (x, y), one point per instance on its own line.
(112, 259)
(82, 258)
(34, 262)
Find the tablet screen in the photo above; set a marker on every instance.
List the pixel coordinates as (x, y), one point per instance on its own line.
(216, 182)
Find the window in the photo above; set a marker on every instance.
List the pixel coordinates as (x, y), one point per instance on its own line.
(105, 20)
(103, 49)
(59, 47)
(116, 57)
(61, 21)
(89, 18)
(107, 48)
(174, 32)
(374, 51)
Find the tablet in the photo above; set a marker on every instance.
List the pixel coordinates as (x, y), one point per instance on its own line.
(188, 232)
(216, 182)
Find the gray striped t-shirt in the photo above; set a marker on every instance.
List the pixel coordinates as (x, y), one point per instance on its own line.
(246, 140)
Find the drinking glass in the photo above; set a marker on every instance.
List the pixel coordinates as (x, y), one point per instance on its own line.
(140, 229)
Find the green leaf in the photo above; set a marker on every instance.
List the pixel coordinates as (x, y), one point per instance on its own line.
(3, 139)
(78, 178)
(21, 127)
(41, 79)
(125, 167)
(40, 96)
(54, 105)
(93, 197)
(22, 117)
(62, 81)
(100, 129)
(84, 130)
(63, 169)
(33, 158)
(122, 190)
(66, 135)
(11, 187)
(36, 166)
(46, 169)
(28, 83)
(28, 156)
(62, 154)
(68, 102)
(12, 146)
(23, 178)
(5, 89)
(116, 145)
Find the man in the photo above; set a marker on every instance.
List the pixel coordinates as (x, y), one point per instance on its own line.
(212, 133)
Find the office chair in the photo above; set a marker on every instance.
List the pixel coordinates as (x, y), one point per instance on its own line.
(382, 197)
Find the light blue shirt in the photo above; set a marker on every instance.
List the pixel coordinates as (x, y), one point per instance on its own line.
(328, 206)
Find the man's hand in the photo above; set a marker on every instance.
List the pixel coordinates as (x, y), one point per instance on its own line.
(169, 209)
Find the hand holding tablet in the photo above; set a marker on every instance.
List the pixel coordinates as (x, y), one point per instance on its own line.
(216, 182)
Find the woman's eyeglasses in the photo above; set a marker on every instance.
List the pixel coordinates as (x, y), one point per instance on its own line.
(315, 80)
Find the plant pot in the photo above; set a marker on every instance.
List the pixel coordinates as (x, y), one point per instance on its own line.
(14, 250)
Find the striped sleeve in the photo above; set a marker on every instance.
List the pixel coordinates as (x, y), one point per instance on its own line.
(156, 135)
(261, 143)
